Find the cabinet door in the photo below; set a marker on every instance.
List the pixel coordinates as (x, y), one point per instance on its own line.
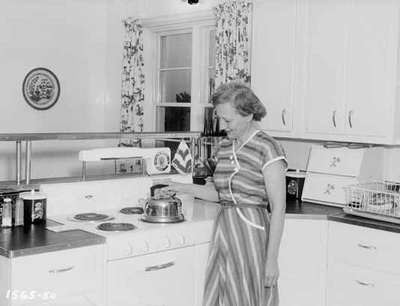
(326, 36)
(200, 271)
(59, 276)
(355, 286)
(159, 279)
(372, 66)
(302, 263)
(273, 61)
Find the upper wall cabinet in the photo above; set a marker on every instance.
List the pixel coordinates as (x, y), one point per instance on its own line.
(328, 70)
(274, 59)
(350, 70)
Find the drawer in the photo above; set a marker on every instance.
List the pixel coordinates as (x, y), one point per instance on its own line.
(366, 247)
(326, 188)
(339, 161)
(354, 286)
(61, 273)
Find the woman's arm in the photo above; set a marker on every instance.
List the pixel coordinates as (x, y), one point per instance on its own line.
(275, 183)
(205, 192)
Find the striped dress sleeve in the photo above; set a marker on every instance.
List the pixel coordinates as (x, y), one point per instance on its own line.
(272, 152)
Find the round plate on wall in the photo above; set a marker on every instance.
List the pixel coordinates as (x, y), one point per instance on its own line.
(41, 88)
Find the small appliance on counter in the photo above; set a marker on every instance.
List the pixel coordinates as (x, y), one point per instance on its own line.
(330, 170)
(156, 160)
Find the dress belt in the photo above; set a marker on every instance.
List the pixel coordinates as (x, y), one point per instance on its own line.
(229, 204)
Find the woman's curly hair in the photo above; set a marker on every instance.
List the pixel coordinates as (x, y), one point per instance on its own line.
(242, 98)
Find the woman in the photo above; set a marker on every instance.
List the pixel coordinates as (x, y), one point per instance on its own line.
(249, 180)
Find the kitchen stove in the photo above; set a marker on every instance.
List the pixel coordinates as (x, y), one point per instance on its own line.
(128, 236)
(150, 255)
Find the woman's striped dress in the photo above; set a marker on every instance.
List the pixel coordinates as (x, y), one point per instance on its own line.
(236, 265)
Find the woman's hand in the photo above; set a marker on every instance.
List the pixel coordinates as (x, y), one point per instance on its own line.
(271, 273)
(174, 187)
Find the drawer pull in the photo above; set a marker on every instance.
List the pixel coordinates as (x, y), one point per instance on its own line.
(88, 196)
(334, 118)
(159, 267)
(368, 247)
(283, 116)
(55, 271)
(364, 283)
(350, 117)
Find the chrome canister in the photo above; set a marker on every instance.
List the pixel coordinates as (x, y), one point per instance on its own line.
(34, 207)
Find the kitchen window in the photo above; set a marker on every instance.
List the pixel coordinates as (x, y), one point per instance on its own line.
(180, 72)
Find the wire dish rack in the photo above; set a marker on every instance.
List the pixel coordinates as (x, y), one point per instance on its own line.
(374, 200)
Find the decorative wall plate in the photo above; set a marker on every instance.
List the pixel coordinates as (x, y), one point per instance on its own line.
(41, 88)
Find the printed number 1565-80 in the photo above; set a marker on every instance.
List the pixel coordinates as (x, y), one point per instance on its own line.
(29, 295)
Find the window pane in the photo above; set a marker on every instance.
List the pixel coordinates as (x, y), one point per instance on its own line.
(173, 119)
(176, 50)
(211, 61)
(211, 53)
(175, 86)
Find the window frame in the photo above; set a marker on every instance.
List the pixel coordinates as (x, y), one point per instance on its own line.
(199, 24)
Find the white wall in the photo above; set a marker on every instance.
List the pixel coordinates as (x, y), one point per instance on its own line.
(81, 42)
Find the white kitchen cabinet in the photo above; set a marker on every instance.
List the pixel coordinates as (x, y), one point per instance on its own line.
(351, 70)
(363, 266)
(201, 258)
(326, 34)
(328, 70)
(158, 279)
(68, 277)
(302, 262)
(274, 62)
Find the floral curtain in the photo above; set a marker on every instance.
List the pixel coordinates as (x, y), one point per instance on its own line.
(132, 91)
(233, 41)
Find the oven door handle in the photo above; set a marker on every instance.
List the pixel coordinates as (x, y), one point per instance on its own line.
(159, 267)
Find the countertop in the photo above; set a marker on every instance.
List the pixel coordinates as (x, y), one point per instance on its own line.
(22, 241)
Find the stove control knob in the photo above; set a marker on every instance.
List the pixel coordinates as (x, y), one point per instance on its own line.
(182, 240)
(140, 247)
(128, 250)
(167, 242)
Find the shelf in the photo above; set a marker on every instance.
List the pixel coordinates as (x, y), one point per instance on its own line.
(95, 135)
(29, 137)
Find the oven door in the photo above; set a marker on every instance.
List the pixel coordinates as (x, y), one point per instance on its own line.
(159, 279)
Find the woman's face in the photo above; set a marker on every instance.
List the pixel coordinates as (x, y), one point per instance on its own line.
(231, 121)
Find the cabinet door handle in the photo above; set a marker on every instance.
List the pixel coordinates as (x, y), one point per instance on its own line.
(350, 117)
(55, 271)
(334, 118)
(368, 247)
(283, 116)
(361, 283)
(159, 267)
(88, 196)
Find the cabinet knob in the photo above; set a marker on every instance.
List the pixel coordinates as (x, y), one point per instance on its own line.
(283, 116)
